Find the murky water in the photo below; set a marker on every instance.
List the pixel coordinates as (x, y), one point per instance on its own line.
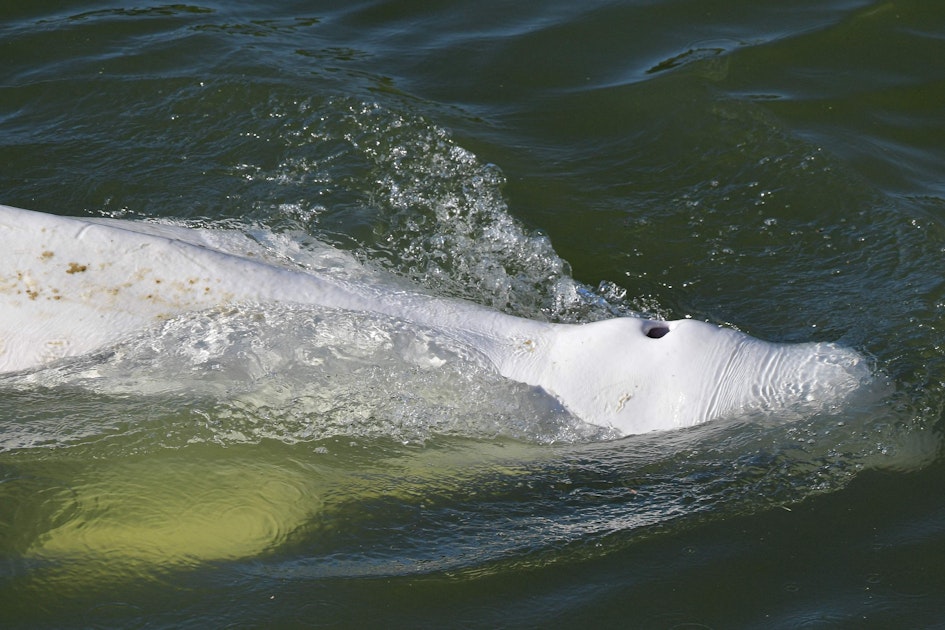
(776, 169)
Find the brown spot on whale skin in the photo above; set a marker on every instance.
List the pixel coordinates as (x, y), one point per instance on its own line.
(46, 255)
(76, 268)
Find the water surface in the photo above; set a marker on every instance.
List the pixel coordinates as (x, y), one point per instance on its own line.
(775, 168)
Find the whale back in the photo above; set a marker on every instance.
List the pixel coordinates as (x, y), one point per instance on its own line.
(70, 286)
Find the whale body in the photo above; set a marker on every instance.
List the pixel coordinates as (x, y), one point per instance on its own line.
(71, 286)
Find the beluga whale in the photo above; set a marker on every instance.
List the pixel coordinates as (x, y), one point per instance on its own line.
(73, 286)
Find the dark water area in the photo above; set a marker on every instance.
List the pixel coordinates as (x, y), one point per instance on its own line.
(774, 168)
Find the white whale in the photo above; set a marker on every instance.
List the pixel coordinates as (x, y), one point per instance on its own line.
(69, 286)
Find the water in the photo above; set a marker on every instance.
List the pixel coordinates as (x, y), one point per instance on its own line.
(775, 168)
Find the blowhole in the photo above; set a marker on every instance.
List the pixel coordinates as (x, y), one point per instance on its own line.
(657, 331)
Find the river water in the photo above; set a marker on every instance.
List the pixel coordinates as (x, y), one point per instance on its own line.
(779, 169)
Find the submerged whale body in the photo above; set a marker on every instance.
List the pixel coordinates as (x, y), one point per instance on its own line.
(71, 286)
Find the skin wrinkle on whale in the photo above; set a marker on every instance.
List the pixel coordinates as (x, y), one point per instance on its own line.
(84, 284)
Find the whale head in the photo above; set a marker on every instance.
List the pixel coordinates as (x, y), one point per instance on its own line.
(638, 375)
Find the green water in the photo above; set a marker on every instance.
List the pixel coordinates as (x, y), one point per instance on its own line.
(772, 166)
